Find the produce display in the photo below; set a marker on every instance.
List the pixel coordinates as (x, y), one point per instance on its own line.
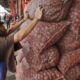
(53, 10)
(52, 50)
(73, 73)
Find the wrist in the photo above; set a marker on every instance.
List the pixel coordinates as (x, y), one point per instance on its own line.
(36, 19)
(23, 20)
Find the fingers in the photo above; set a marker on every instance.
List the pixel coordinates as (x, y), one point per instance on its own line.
(38, 13)
(39, 9)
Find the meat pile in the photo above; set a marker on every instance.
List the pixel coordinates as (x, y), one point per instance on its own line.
(52, 50)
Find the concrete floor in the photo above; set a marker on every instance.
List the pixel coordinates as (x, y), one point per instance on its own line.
(10, 76)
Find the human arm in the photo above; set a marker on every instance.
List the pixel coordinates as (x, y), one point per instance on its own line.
(24, 32)
(14, 27)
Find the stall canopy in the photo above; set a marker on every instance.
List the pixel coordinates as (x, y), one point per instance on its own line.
(3, 10)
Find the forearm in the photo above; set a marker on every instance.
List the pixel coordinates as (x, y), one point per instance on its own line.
(13, 28)
(29, 28)
(24, 32)
(18, 24)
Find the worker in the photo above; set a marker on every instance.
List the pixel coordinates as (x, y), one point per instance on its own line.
(7, 41)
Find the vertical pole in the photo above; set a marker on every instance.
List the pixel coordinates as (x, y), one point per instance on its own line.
(23, 5)
(13, 10)
(20, 8)
(17, 6)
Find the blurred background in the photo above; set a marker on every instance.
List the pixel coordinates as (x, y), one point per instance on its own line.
(11, 11)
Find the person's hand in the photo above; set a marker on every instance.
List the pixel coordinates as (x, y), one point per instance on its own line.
(38, 13)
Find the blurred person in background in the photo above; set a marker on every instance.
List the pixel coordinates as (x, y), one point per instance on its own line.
(8, 41)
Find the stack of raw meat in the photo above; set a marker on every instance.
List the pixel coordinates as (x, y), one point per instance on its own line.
(52, 50)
